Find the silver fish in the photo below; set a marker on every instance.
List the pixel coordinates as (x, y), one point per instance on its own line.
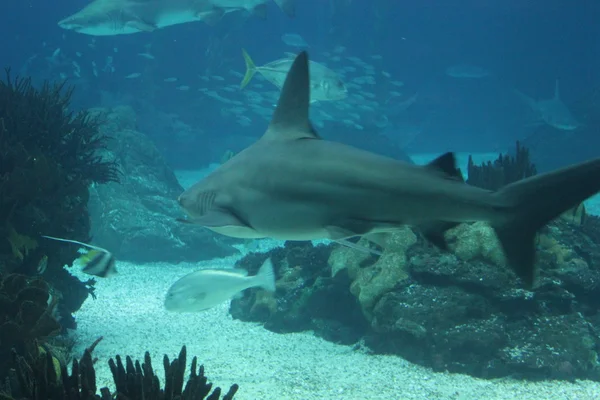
(325, 84)
(207, 288)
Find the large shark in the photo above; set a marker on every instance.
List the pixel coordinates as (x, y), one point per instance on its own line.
(120, 17)
(552, 111)
(292, 185)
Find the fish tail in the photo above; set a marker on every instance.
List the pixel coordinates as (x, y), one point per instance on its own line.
(265, 278)
(527, 205)
(250, 69)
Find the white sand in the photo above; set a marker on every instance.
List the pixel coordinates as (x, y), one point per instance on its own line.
(130, 316)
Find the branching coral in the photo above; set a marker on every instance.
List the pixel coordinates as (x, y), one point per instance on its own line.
(49, 155)
(506, 169)
(37, 377)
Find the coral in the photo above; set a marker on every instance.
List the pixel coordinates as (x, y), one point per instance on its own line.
(49, 156)
(26, 314)
(506, 169)
(372, 282)
(307, 296)
(473, 241)
(20, 245)
(35, 377)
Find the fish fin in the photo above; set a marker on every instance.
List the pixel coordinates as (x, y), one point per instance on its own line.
(212, 18)
(218, 218)
(142, 25)
(290, 120)
(260, 11)
(434, 233)
(527, 205)
(265, 277)
(101, 265)
(250, 69)
(287, 6)
(356, 246)
(556, 91)
(447, 164)
(89, 246)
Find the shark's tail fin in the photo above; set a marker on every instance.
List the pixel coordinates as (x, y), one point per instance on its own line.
(527, 205)
(250, 69)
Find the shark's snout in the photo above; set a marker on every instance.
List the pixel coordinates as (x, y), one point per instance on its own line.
(70, 25)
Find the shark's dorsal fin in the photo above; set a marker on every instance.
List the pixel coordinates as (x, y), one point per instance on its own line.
(556, 91)
(446, 163)
(290, 119)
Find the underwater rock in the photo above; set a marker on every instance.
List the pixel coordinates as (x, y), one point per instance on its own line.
(307, 297)
(136, 219)
(462, 311)
(370, 283)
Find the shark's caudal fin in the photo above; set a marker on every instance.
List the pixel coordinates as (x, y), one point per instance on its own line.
(290, 119)
(529, 204)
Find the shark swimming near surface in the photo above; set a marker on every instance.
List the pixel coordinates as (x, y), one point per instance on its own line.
(121, 17)
(293, 185)
(552, 111)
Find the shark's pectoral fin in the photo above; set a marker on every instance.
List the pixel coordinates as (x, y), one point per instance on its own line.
(142, 26)
(434, 233)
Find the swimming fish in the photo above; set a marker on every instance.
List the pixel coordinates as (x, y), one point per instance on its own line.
(207, 288)
(120, 17)
(325, 84)
(552, 111)
(293, 185)
(98, 261)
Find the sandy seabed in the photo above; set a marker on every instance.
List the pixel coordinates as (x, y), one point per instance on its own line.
(129, 314)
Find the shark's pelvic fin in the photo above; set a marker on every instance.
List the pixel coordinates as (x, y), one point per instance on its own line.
(290, 119)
